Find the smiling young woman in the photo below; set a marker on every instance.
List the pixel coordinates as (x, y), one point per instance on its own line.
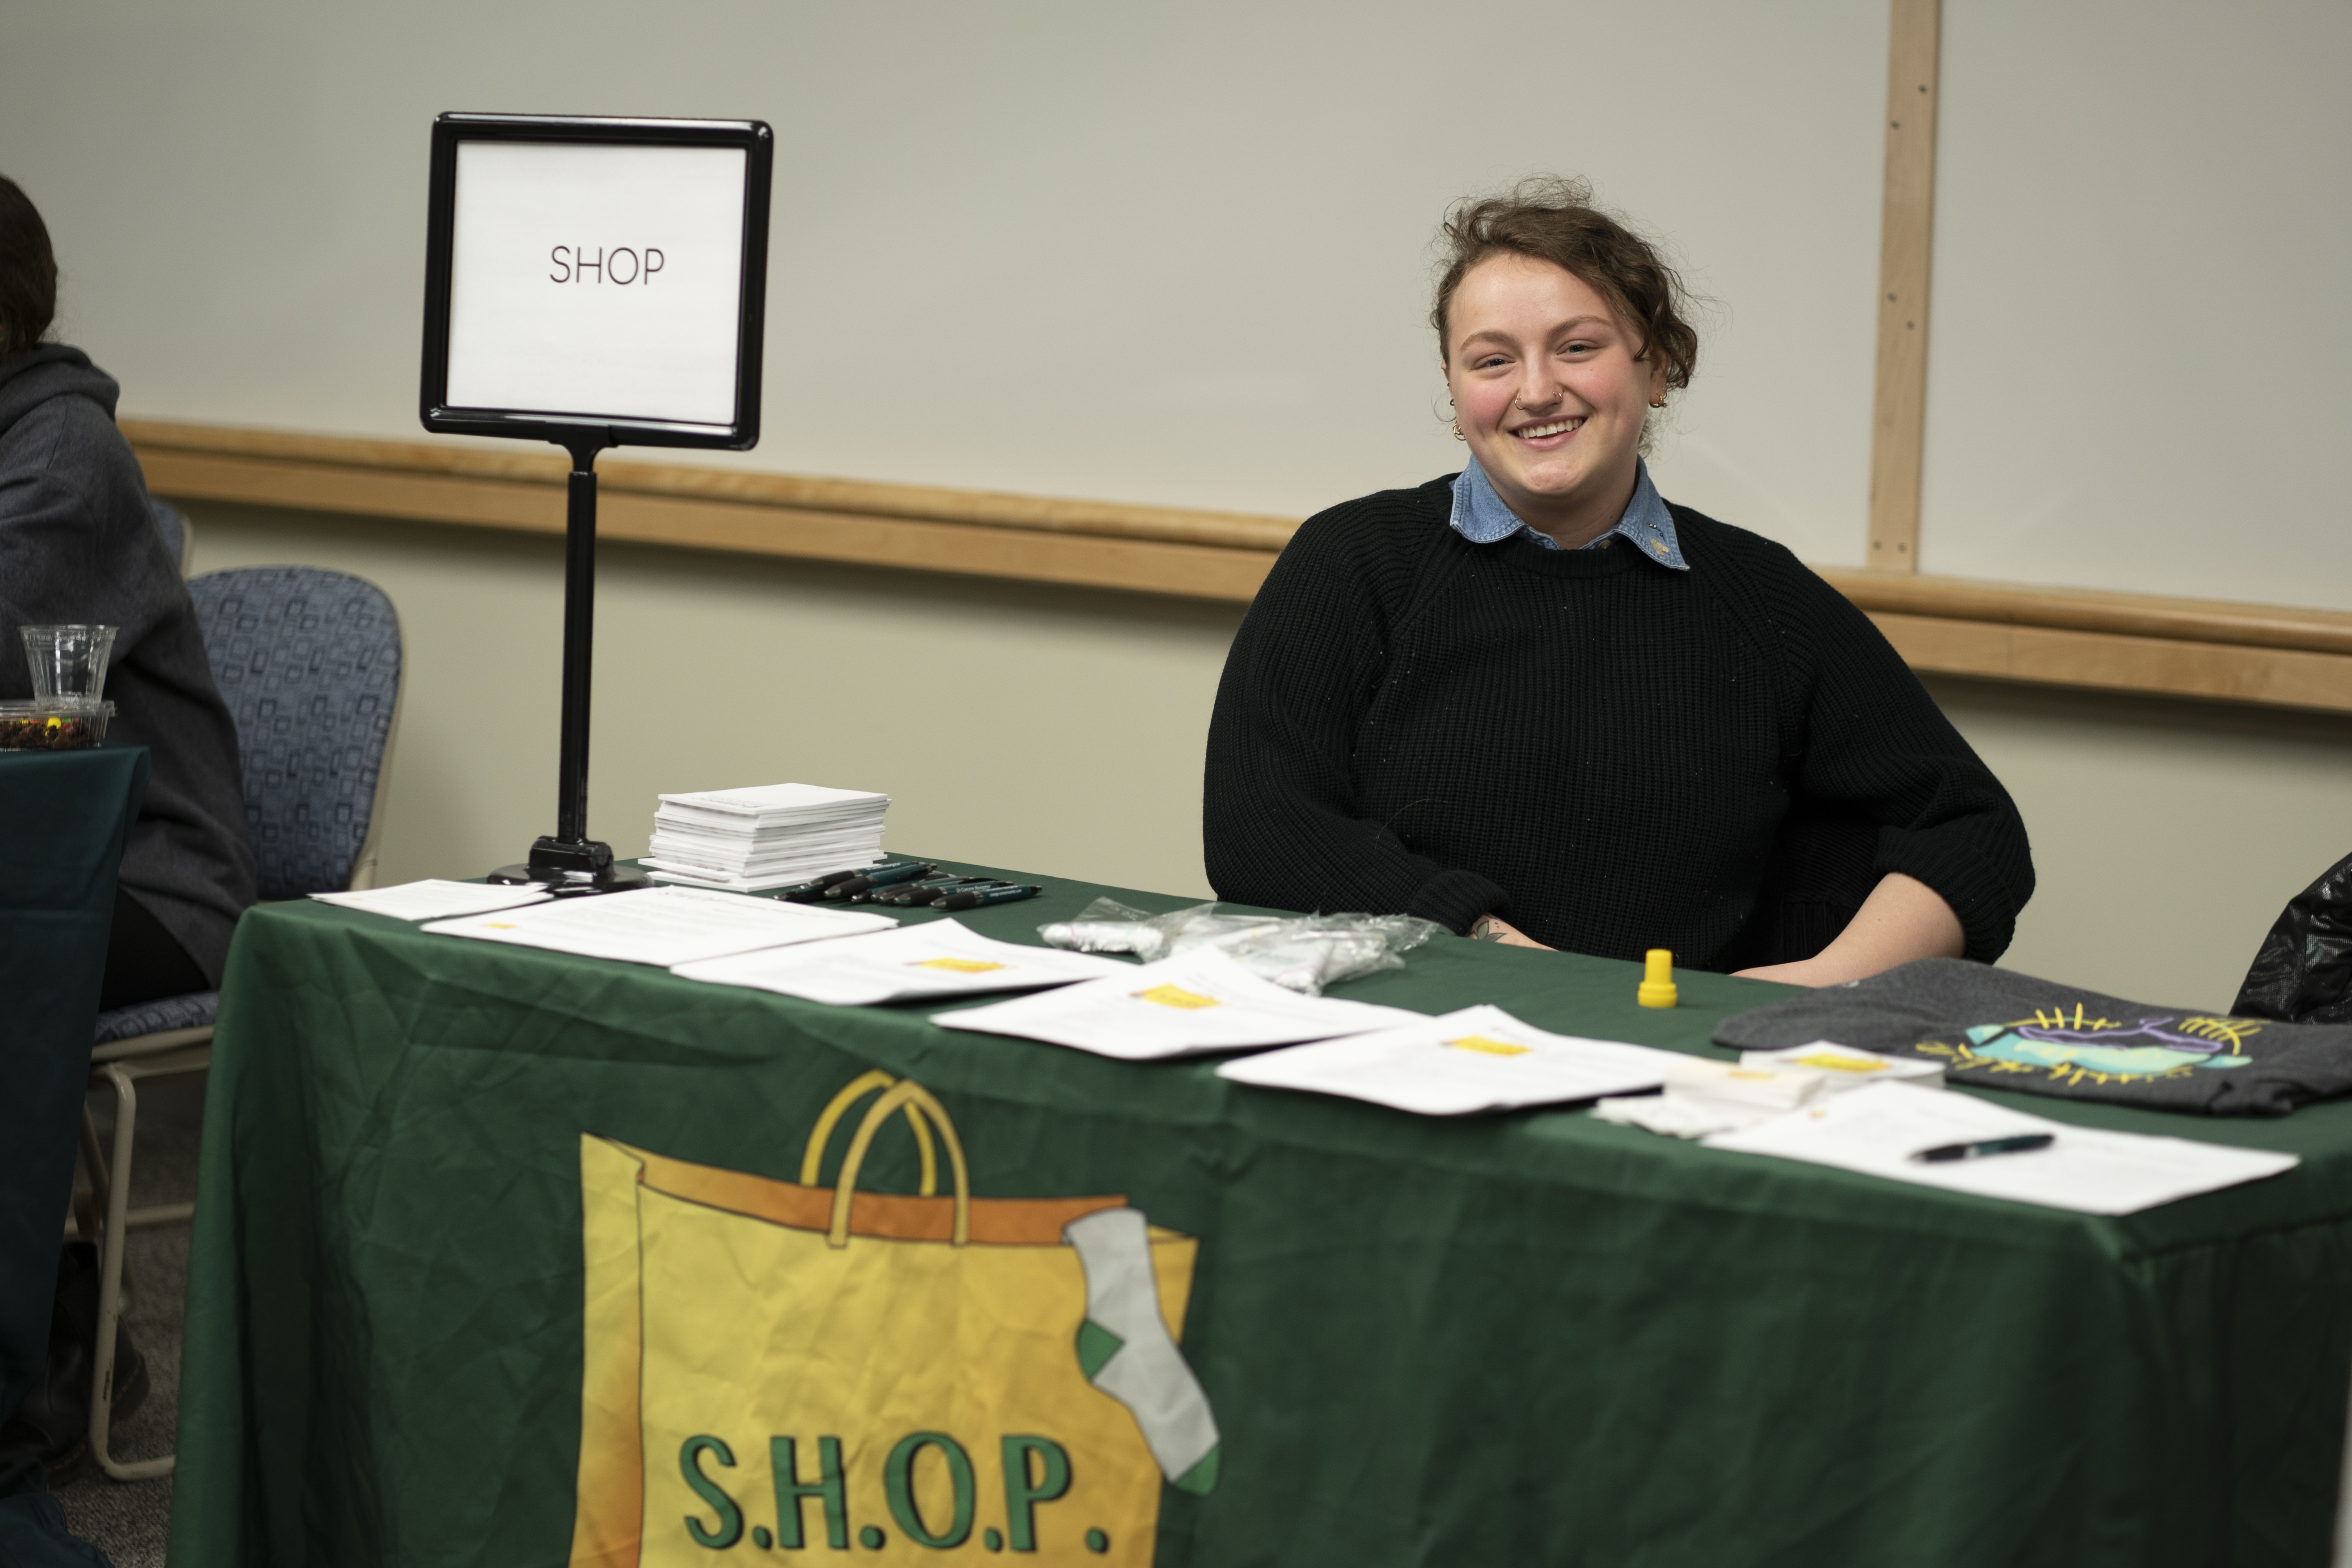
(1538, 704)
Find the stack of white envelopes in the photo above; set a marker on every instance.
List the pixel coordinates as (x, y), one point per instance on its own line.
(766, 837)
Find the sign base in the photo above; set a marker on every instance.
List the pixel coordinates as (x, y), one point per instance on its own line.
(573, 867)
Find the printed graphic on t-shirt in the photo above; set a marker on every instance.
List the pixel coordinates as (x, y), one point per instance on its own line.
(2086, 1048)
(2062, 1040)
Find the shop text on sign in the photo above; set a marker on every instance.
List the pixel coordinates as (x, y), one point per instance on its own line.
(572, 264)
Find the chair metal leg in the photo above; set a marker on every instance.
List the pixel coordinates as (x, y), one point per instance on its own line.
(110, 1289)
(92, 1157)
(86, 1214)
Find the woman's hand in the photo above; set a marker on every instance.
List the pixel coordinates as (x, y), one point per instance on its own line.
(1902, 920)
(1494, 928)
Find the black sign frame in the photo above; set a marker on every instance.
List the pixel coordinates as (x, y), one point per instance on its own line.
(569, 429)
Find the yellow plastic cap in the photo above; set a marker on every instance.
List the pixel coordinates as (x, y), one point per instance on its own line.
(1657, 980)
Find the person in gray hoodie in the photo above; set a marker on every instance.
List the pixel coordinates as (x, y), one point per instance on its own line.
(79, 543)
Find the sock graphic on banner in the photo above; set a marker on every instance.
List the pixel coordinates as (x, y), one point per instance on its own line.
(1125, 1350)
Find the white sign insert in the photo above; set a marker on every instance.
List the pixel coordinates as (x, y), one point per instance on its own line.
(597, 280)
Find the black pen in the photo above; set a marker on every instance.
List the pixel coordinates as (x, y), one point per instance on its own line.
(810, 891)
(930, 891)
(880, 877)
(920, 892)
(973, 900)
(937, 896)
(2017, 1145)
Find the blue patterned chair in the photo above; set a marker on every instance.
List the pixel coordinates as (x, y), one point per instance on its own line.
(309, 663)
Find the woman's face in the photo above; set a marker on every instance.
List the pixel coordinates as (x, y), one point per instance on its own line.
(1549, 396)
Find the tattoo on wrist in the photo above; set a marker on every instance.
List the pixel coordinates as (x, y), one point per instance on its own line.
(1485, 928)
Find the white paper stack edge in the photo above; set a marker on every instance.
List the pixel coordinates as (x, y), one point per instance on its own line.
(769, 836)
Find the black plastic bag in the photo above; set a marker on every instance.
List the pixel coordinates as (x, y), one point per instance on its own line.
(2302, 973)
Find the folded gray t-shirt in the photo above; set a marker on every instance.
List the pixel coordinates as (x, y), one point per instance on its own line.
(2003, 1030)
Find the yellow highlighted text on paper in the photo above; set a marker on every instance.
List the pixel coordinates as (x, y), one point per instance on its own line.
(1176, 996)
(960, 966)
(1836, 1064)
(1481, 1044)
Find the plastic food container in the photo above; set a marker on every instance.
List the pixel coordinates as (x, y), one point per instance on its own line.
(53, 724)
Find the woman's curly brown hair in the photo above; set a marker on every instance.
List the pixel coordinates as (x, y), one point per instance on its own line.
(1554, 220)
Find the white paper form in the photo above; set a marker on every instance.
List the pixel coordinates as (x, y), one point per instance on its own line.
(1198, 1001)
(662, 925)
(435, 899)
(1876, 1129)
(939, 958)
(1479, 1058)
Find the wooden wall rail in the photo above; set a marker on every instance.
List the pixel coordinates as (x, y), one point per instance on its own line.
(1214, 555)
(2195, 647)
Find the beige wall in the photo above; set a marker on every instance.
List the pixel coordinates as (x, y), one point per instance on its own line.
(1060, 731)
(1176, 253)
(2139, 322)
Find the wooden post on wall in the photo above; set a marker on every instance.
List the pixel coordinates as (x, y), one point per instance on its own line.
(1907, 238)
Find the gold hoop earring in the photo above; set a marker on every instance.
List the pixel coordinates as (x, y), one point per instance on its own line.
(1657, 403)
(1457, 431)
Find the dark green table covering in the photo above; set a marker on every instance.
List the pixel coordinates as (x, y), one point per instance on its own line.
(63, 816)
(1500, 1340)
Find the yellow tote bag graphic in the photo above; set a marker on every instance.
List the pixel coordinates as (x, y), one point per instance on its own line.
(816, 1370)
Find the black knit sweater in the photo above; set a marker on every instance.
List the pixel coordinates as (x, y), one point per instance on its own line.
(1599, 750)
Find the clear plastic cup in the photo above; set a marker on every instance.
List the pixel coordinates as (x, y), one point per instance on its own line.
(68, 661)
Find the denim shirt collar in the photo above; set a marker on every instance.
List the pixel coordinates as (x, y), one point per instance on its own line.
(1480, 517)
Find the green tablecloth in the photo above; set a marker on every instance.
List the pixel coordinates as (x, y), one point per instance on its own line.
(63, 817)
(1533, 1338)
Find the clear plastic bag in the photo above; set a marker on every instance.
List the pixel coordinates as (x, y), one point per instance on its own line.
(1303, 953)
(1104, 926)
(1108, 926)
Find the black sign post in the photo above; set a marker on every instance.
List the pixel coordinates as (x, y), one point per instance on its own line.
(519, 343)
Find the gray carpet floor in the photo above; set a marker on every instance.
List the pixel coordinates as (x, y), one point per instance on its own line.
(129, 1519)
